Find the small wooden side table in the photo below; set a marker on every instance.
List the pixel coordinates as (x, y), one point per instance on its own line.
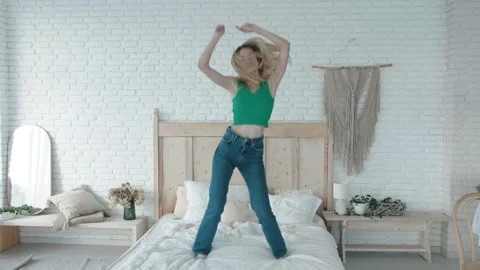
(411, 221)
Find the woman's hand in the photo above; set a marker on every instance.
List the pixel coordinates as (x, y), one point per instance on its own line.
(247, 28)
(219, 31)
(283, 47)
(226, 82)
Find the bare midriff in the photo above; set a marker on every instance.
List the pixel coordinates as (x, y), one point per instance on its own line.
(249, 131)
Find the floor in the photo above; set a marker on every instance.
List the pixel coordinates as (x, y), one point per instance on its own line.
(60, 257)
(355, 261)
(63, 251)
(371, 261)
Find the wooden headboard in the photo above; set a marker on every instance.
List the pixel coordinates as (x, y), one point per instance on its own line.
(296, 156)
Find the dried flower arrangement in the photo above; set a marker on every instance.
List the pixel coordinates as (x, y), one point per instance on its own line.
(125, 195)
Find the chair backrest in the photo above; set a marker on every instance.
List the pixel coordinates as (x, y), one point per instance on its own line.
(468, 198)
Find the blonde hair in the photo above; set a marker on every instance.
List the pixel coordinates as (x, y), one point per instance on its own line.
(267, 57)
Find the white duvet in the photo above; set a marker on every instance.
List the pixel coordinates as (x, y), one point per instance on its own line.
(168, 245)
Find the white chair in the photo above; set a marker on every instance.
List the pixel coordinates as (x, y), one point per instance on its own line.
(465, 265)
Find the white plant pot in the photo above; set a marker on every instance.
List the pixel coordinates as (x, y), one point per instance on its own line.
(360, 208)
(7, 216)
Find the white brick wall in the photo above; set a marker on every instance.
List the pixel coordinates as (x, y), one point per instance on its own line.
(3, 109)
(462, 102)
(91, 74)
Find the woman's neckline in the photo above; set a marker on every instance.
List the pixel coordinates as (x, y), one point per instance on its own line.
(250, 90)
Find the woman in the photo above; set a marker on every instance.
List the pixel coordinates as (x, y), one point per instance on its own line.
(260, 67)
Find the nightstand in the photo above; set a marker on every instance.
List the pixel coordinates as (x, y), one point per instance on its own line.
(411, 221)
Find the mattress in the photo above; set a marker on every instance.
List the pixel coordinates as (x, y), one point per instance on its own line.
(168, 245)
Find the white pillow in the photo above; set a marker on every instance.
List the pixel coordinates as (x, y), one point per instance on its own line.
(295, 208)
(198, 193)
(238, 212)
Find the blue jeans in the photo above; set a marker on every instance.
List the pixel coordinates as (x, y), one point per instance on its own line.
(232, 152)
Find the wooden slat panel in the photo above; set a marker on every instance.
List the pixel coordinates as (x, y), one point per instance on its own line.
(216, 129)
(295, 170)
(174, 169)
(279, 163)
(203, 156)
(204, 149)
(385, 226)
(188, 158)
(311, 169)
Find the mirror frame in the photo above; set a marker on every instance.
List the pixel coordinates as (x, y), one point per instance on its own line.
(9, 183)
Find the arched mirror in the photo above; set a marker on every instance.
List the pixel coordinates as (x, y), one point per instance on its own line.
(29, 168)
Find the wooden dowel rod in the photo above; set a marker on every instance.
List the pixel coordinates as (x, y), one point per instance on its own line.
(325, 67)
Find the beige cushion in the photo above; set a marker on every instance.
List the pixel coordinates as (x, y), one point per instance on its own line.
(238, 211)
(181, 203)
(233, 211)
(75, 203)
(59, 220)
(91, 218)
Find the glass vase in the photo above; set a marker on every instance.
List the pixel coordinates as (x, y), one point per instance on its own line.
(129, 212)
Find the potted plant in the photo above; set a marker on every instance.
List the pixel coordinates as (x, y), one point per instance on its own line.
(126, 196)
(11, 212)
(387, 207)
(360, 203)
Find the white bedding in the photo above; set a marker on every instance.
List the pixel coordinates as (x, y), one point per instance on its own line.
(168, 245)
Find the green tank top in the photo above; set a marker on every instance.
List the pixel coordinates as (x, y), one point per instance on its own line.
(252, 108)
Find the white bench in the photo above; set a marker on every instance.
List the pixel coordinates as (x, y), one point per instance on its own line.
(10, 237)
(411, 221)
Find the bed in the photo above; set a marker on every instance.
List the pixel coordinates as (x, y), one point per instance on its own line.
(298, 163)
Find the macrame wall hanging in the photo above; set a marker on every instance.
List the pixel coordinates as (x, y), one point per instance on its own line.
(352, 122)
